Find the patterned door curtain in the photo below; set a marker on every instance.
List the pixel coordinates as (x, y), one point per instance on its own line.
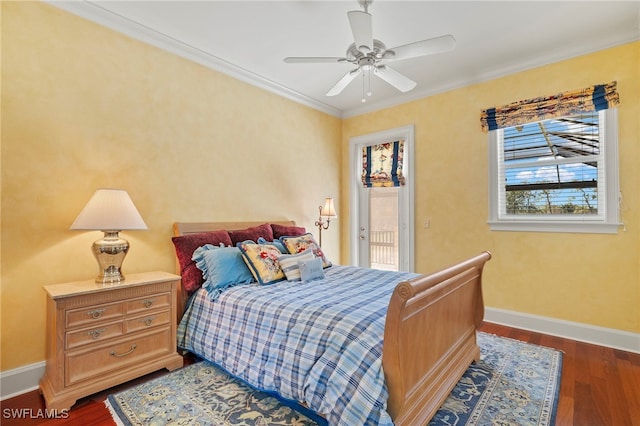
(382, 164)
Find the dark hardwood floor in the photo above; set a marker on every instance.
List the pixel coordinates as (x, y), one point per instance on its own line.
(600, 387)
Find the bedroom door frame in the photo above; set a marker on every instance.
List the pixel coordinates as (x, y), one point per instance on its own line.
(406, 194)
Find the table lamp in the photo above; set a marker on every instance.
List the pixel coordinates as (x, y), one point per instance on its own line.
(109, 211)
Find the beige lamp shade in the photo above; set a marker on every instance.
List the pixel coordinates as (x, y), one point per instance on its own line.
(329, 209)
(109, 210)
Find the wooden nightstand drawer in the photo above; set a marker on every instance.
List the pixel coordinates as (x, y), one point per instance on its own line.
(147, 321)
(147, 303)
(94, 334)
(99, 336)
(108, 358)
(93, 314)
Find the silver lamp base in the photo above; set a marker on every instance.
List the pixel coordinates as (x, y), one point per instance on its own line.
(110, 252)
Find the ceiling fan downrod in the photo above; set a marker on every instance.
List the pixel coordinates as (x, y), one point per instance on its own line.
(365, 4)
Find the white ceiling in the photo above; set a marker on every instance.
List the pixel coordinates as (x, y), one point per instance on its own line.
(250, 39)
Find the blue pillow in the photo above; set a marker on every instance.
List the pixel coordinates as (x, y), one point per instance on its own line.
(311, 269)
(276, 243)
(290, 264)
(222, 267)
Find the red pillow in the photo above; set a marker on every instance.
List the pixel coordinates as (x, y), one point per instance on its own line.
(185, 246)
(286, 231)
(252, 234)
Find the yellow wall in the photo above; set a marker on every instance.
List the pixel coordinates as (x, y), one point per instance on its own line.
(84, 107)
(587, 278)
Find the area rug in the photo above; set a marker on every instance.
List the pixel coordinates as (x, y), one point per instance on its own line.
(515, 383)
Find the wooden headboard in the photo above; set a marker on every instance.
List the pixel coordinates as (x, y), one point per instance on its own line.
(186, 228)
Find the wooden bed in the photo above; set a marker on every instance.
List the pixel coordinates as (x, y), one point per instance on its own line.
(430, 331)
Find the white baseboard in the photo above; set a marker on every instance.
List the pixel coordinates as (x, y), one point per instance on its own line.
(25, 379)
(608, 337)
(20, 380)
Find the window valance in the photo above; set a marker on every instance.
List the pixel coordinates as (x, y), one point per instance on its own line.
(594, 98)
(382, 164)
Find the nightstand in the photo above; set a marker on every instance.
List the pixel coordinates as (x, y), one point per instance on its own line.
(102, 335)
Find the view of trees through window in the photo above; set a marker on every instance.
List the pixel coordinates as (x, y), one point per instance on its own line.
(551, 167)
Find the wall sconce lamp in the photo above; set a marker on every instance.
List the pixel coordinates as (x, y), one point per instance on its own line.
(109, 211)
(327, 211)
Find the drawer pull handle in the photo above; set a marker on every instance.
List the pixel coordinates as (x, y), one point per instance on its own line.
(96, 333)
(147, 303)
(148, 321)
(114, 353)
(96, 313)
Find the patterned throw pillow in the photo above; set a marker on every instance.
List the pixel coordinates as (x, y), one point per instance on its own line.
(262, 260)
(276, 243)
(303, 242)
(289, 263)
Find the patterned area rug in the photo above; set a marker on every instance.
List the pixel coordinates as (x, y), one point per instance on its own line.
(515, 383)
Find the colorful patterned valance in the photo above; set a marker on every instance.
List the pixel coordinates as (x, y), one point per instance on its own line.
(382, 164)
(595, 98)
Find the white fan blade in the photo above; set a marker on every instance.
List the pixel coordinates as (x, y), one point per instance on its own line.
(440, 44)
(362, 30)
(312, 60)
(394, 78)
(344, 82)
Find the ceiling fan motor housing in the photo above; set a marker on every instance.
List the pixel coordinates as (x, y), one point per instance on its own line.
(379, 52)
(366, 62)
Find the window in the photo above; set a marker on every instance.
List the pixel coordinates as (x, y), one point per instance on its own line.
(556, 175)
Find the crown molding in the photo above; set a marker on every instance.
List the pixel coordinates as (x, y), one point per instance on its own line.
(542, 60)
(101, 16)
(106, 18)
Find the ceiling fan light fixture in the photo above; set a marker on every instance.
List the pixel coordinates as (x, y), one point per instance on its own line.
(370, 55)
(366, 63)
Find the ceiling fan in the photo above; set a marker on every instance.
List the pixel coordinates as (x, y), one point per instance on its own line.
(370, 55)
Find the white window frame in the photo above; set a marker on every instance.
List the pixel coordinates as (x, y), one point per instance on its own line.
(606, 222)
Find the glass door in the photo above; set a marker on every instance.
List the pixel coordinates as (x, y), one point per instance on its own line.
(380, 229)
(382, 225)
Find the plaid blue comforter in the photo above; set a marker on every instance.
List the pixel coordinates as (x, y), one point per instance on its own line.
(318, 342)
